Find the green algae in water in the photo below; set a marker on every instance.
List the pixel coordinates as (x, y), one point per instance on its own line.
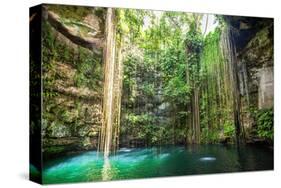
(156, 162)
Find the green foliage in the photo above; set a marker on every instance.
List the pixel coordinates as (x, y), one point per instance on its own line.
(173, 61)
(71, 12)
(129, 77)
(229, 129)
(194, 44)
(159, 54)
(88, 69)
(151, 134)
(177, 91)
(48, 45)
(148, 90)
(143, 127)
(88, 66)
(130, 23)
(265, 123)
(212, 54)
(210, 135)
(214, 113)
(136, 120)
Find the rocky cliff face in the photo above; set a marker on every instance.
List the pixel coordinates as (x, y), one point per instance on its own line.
(254, 41)
(72, 83)
(258, 58)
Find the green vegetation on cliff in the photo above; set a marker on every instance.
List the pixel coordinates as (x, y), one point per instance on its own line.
(131, 78)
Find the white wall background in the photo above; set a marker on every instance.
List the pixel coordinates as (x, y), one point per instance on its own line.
(14, 94)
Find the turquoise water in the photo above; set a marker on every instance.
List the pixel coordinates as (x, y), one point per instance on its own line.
(156, 162)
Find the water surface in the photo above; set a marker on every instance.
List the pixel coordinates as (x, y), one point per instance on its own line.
(156, 162)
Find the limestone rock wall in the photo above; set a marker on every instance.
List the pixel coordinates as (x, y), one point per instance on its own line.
(72, 87)
(256, 74)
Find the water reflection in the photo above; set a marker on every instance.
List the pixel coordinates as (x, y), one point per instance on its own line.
(107, 173)
(207, 159)
(153, 162)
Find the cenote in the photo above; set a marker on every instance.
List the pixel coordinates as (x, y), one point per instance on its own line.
(129, 94)
(130, 163)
